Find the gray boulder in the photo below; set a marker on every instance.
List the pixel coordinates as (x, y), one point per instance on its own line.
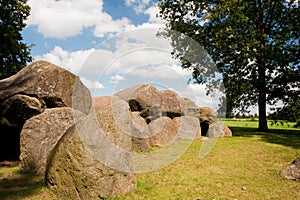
(218, 130)
(140, 133)
(53, 85)
(18, 108)
(185, 104)
(101, 101)
(36, 87)
(163, 132)
(86, 164)
(116, 122)
(171, 103)
(40, 134)
(207, 115)
(140, 97)
(292, 172)
(152, 113)
(188, 128)
(192, 112)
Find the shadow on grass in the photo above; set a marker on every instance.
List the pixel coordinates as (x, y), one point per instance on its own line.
(17, 185)
(286, 137)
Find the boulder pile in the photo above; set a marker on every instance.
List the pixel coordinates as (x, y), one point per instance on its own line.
(30, 92)
(83, 145)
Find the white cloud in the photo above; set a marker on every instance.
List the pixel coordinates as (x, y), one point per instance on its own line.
(138, 5)
(65, 18)
(108, 26)
(91, 84)
(169, 71)
(153, 11)
(197, 93)
(116, 79)
(138, 53)
(71, 61)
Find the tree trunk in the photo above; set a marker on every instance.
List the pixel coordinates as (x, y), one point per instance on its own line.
(262, 99)
(262, 123)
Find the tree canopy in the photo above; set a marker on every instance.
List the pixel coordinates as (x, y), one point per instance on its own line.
(254, 43)
(14, 54)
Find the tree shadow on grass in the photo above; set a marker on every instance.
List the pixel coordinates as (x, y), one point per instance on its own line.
(17, 185)
(286, 137)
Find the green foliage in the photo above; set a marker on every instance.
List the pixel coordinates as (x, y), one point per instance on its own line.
(289, 112)
(255, 45)
(14, 54)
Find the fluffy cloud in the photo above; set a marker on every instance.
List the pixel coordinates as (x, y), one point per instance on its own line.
(116, 79)
(71, 61)
(153, 12)
(197, 93)
(65, 18)
(91, 84)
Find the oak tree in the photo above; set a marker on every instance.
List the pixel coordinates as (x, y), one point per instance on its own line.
(254, 43)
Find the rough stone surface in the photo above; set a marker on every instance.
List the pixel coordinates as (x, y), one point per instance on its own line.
(227, 131)
(152, 113)
(140, 97)
(171, 103)
(188, 128)
(185, 104)
(18, 108)
(192, 112)
(56, 86)
(140, 133)
(86, 165)
(102, 101)
(218, 130)
(40, 134)
(207, 115)
(116, 122)
(36, 87)
(163, 132)
(292, 172)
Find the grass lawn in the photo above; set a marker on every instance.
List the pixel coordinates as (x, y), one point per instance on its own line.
(245, 166)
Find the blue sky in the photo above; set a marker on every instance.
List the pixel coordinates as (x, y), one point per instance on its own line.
(110, 44)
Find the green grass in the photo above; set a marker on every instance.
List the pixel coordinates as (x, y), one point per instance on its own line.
(254, 124)
(15, 185)
(245, 166)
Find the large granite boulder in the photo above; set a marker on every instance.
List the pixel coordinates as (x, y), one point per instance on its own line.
(292, 172)
(140, 133)
(218, 130)
(36, 87)
(171, 103)
(152, 113)
(26, 107)
(192, 112)
(116, 122)
(207, 115)
(86, 164)
(188, 128)
(40, 134)
(101, 101)
(140, 97)
(15, 110)
(185, 104)
(50, 84)
(163, 132)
